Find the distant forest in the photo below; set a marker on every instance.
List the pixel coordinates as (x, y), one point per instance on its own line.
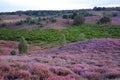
(59, 12)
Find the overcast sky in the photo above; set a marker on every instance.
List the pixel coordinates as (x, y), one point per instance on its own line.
(15, 5)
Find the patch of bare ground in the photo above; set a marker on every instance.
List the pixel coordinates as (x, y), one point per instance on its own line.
(96, 59)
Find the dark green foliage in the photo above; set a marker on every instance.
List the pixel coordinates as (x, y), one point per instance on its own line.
(3, 25)
(29, 20)
(13, 52)
(52, 19)
(104, 20)
(18, 23)
(65, 16)
(40, 19)
(62, 40)
(74, 15)
(114, 14)
(23, 46)
(1, 50)
(41, 24)
(106, 8)
(79, 20)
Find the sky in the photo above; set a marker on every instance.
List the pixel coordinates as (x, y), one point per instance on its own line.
(17, 5)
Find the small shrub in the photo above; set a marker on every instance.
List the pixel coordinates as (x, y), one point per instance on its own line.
(40, 24)
(79, 20)
(13, 52)
(3, 25)
(52, 19)
(62, 40)
(23, 46)
(65, 16)
(82, 37)
(18, 23)
(74, 15)
(40, 19)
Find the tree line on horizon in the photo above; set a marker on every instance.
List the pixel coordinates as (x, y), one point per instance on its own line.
(58, 12)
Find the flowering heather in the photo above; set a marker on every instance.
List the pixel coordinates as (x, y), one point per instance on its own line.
(96, 59)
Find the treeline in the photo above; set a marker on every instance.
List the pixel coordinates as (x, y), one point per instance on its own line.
(59, 12)
(106, 8)
(44, 12)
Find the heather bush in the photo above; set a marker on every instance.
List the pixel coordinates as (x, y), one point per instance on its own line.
(79, 20)
(60, 78)
(62, 40)
(13, 52)
(24, 74)
(23, 46)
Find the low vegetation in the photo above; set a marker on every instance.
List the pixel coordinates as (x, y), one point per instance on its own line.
(71, 33)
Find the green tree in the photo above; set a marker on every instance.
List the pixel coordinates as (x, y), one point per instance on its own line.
(74, 15)
(23, 46)
(79, 20)
(104, 20)
(62, 40)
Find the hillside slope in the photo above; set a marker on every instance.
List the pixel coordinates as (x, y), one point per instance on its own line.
(95, 59)
(104, 45)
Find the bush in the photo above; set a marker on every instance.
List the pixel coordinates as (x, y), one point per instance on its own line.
(29, 20)
(74, 15)
(18, 23)
(65, 16)
(104, 20)
(79, 20)
(40, 19)
(23, 46)
(13, 52)
(52, 19)
(62, 40)
(3, 25)
(114, 14)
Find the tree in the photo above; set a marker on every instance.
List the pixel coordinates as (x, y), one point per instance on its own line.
(79, 20)
(23, 46)
(104, 20)
(74, 15)
(62, 40)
